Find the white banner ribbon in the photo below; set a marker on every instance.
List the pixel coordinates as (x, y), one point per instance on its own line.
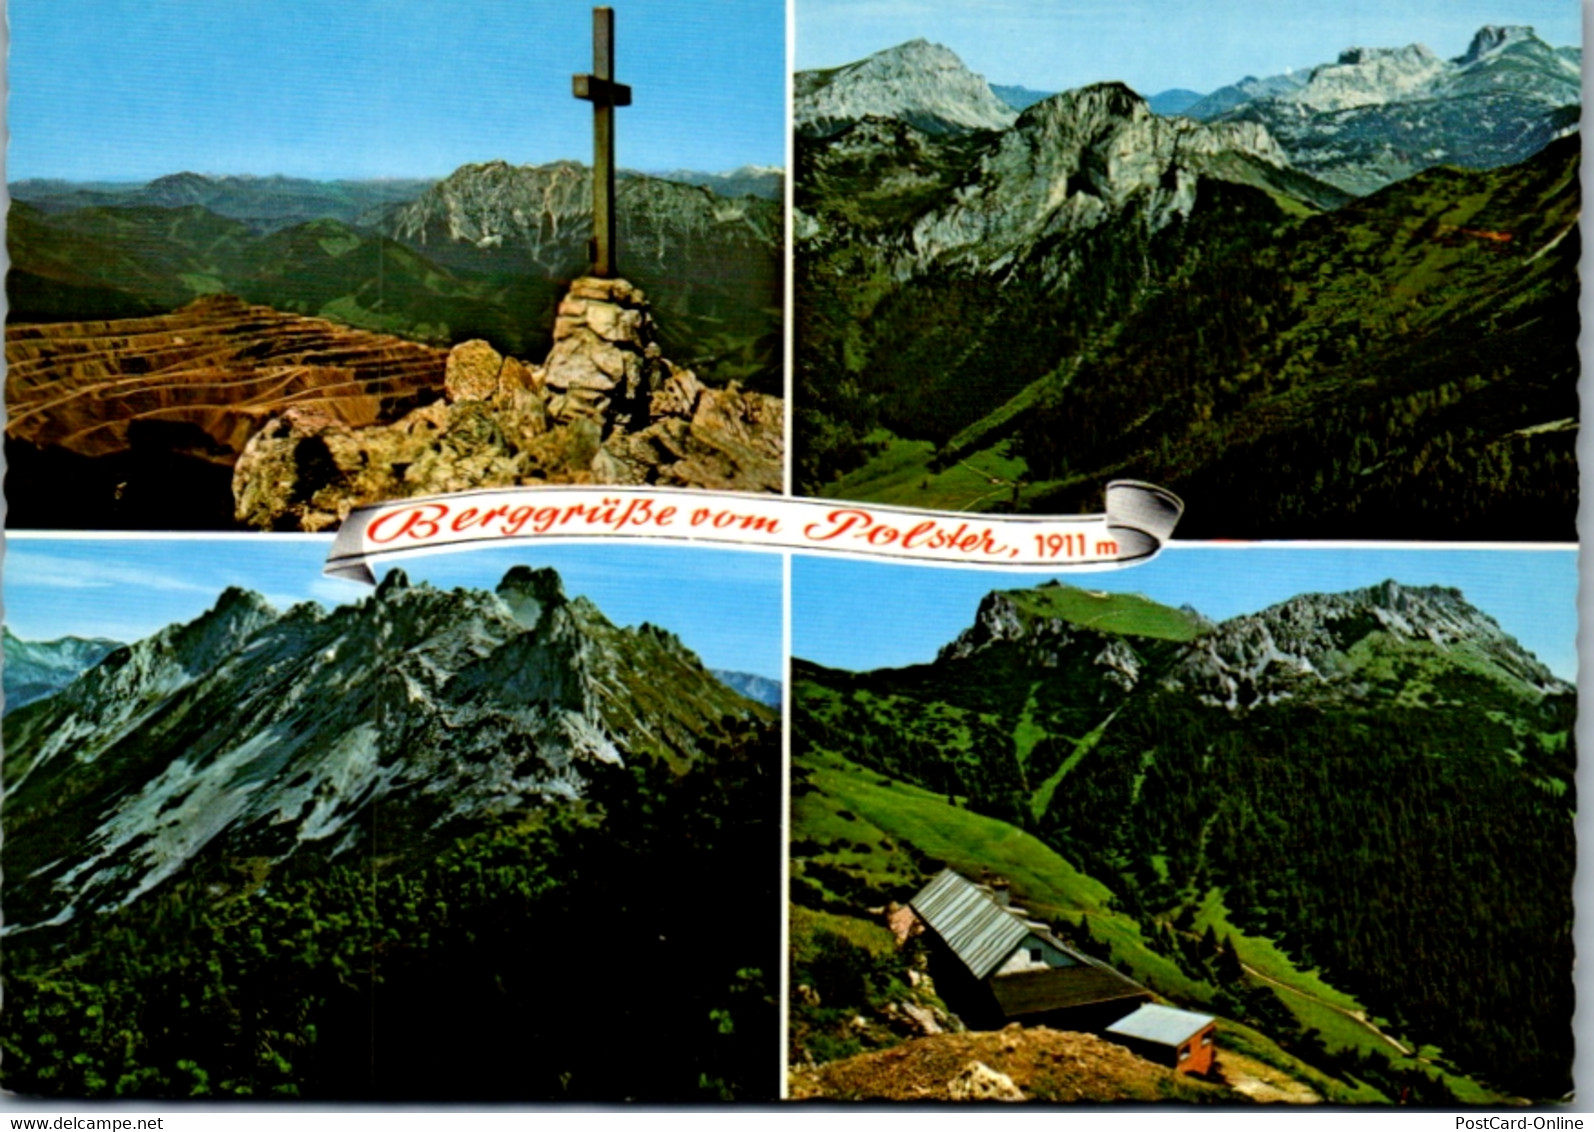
(1138, 519)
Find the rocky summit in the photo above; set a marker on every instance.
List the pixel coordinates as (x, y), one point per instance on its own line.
(1315, 647)
(1079, 161)
(1321, 645)
(254, 733)
(272, 854)
(605, 407)
(918, 82)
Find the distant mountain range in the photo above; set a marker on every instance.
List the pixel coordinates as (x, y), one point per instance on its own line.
(264, 204)
(510, 754)
(267, 203)
(438, 261)
(967, 278)
(765, 181)
(1378, 115)
(754, 687)
(1337, 785)
(35, 669)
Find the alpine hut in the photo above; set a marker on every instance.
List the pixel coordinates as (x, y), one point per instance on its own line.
(995, 965)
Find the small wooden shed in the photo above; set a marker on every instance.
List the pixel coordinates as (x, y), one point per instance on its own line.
(1180, 1039)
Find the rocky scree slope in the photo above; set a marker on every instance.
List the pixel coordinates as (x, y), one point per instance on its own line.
(377, 727)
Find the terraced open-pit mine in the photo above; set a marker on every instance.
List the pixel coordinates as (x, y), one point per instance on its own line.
(136, 423)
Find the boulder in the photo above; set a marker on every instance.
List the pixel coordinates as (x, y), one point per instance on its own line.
(979, 1082)
(472, 371)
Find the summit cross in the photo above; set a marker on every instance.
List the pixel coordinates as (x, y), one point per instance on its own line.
(600, 89)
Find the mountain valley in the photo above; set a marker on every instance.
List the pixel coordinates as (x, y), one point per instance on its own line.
(976, 298)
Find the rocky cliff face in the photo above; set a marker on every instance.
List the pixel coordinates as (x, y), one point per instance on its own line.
(1003, 619)
(544, 214)
(711, 263)
(1341, 644)
(605, 407)
(1073, 163)
(1366, 75)
(920, 83)
(258, 734)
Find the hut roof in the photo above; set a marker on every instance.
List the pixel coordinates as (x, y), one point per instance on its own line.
(968, 919)
(1161, 1024)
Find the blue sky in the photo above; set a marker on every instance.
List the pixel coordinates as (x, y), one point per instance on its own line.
(725, 605)
(1155, 45)
(861, 615)
(133, 89)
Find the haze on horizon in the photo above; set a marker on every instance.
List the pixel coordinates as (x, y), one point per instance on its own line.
(1156, 45)
(112, 90)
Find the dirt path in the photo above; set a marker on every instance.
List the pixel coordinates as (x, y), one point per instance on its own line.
(989, 478)
(1357, 1016)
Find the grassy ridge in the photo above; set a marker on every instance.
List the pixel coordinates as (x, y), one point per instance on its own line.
(1128, 615)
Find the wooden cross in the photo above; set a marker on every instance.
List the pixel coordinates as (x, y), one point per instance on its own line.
(600, 89)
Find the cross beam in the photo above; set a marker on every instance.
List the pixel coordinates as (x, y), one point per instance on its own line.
(600, 89)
